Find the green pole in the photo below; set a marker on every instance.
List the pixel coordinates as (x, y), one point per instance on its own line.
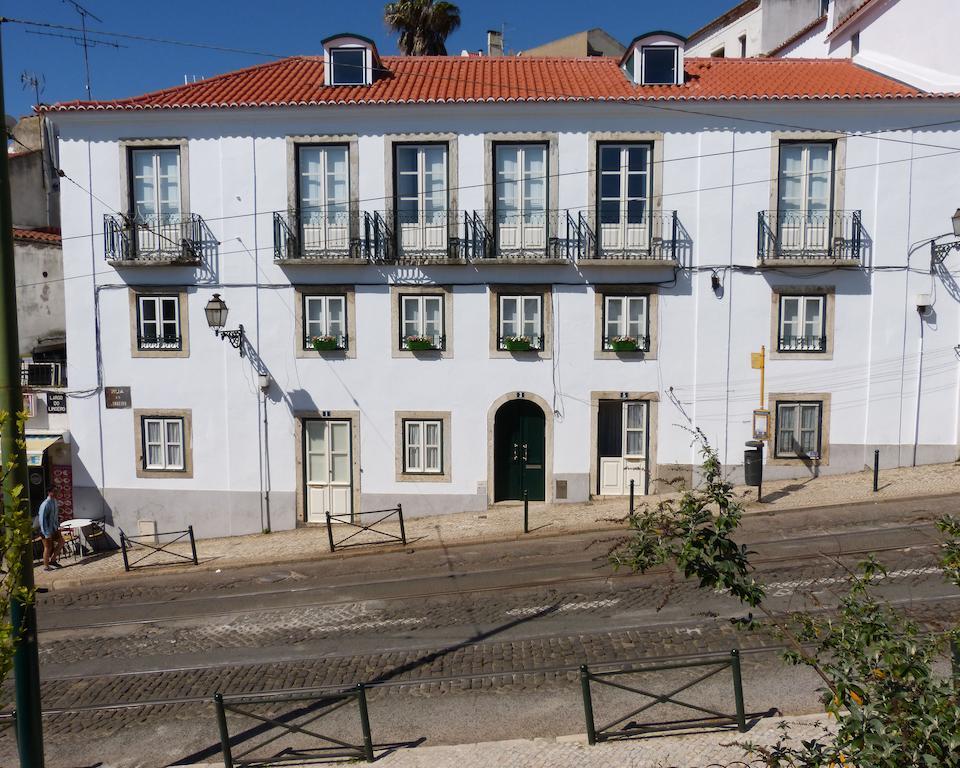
(26, 662)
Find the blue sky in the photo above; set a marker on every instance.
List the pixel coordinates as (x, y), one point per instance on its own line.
(282, 27)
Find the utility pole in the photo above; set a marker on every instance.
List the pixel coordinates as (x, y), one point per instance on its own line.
(26, 661)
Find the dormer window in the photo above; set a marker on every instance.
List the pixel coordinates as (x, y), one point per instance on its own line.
(350, 60)
(655, 59)
(347, 66)
(659, 65)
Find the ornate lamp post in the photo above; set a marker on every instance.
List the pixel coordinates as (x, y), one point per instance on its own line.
(216, 312)
(939, 251)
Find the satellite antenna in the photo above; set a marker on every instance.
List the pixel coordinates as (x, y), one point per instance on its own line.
(84, 13)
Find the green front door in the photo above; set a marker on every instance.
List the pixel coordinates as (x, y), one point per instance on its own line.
(519, 452)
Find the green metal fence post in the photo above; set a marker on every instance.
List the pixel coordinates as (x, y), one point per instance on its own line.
(588, 705)
(738, 689)
(224, 733)
(403, 531)
(365, 722)
(631, 497)
(193, 545)
(123, 549)
(526, 513)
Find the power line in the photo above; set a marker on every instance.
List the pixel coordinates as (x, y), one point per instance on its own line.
(85, 44)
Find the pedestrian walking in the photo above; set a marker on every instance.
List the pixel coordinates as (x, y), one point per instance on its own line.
(50, 531)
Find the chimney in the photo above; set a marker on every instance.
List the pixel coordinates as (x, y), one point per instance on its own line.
(494, 42)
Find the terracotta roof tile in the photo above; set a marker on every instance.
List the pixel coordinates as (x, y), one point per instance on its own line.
(299, 81)
(51, 237)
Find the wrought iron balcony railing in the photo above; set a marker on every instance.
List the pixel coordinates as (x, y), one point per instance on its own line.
(161, 238)
(317, 235)
(165, 342)
(43, 374)
(620, 344)
(654, 239)
(811, 236)
(801, 343)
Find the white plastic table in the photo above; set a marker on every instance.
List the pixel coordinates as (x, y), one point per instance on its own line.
(76, 525)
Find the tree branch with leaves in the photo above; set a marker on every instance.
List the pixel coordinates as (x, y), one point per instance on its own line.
(423, 25)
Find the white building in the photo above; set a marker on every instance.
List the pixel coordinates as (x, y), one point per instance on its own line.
(696, 209)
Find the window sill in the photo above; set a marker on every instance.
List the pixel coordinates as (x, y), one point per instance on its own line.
(423, 477)
(827, 354)
(165, 474)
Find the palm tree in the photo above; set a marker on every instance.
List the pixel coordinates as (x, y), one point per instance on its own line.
(424, 25)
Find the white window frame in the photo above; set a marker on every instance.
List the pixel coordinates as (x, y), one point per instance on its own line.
(325, 225)
(365, 73)
(159, 301)
(804, 342)
(798, 229)
(642, 429)
(427, 222)
(324, 300)
(420, 300)
(623, 325)
(522, 208)
(796, 439)
(157, 202)
(624, 199)
(523, 300)
(643, 63)
(164, 443)
(415, 448)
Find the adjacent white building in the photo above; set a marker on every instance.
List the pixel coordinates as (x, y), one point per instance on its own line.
(463, 279)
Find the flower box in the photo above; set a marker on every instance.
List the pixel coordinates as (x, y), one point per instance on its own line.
(419, 344)
(623, 344)
(516, 344)
(325, 343)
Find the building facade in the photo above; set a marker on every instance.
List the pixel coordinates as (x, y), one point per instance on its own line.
(463, 279)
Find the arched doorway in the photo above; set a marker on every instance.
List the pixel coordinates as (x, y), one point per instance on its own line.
(519, 451)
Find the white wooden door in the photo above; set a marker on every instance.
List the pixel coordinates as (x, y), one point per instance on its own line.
(623, 197)
(521, 197)
(616, 472)
(324, 199)
(611, 475)
(805, 195)
(327, 454)
(422, 198)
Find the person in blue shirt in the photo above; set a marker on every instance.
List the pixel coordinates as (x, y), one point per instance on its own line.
(50, 531)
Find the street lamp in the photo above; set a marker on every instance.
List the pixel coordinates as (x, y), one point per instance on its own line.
(939, 251)
(216, 312)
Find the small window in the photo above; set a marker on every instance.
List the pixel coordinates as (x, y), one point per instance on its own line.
(802, 324)
(742, 40)
(660, 65)
(798, 430)
(163, 444)
(719, 53)
(158, 323)
(521, 320)
(625, 323)
(422, 446)
(325, 320)
(348, 66)
(635, 430)
(854, 44)
(421, 322)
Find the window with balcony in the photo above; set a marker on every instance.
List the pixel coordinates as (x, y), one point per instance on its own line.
(163, 444)
(520, 323)
(624, 190)
(625, 327)
(798, 429)
(422, 322)
(325, 322)
(803, 323)
(324, 200)
(158, 323)
(421, 200)
(157, 214)
(805, 222)
(520, 199)
(423, 446)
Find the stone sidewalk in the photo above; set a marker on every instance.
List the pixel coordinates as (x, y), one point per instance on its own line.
(504, 522)
(699, 749)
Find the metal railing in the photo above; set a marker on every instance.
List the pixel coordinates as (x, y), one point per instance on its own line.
(160, 237)
(801, 343)
(351, 520)
(815, 235)
(432, 343)
(656, 238)
(130, 544)
(43, 374)
(426, 236)
(620, 727)
(641, 344)
(336, 344)
(313, 709)
(516, 343)
(377, 237)
(171, 342)
(317, 235)
(477, 241)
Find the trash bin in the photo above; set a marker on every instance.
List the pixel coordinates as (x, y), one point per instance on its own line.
(753, 464)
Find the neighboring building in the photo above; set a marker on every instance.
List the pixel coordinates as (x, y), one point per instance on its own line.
(524, 275)
(908, 40)
(38, 259)
(591, 42)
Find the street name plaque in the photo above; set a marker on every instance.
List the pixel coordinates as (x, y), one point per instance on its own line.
(117, 397)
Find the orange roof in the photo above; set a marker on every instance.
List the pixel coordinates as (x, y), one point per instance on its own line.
(48, 237)
(299, 81)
